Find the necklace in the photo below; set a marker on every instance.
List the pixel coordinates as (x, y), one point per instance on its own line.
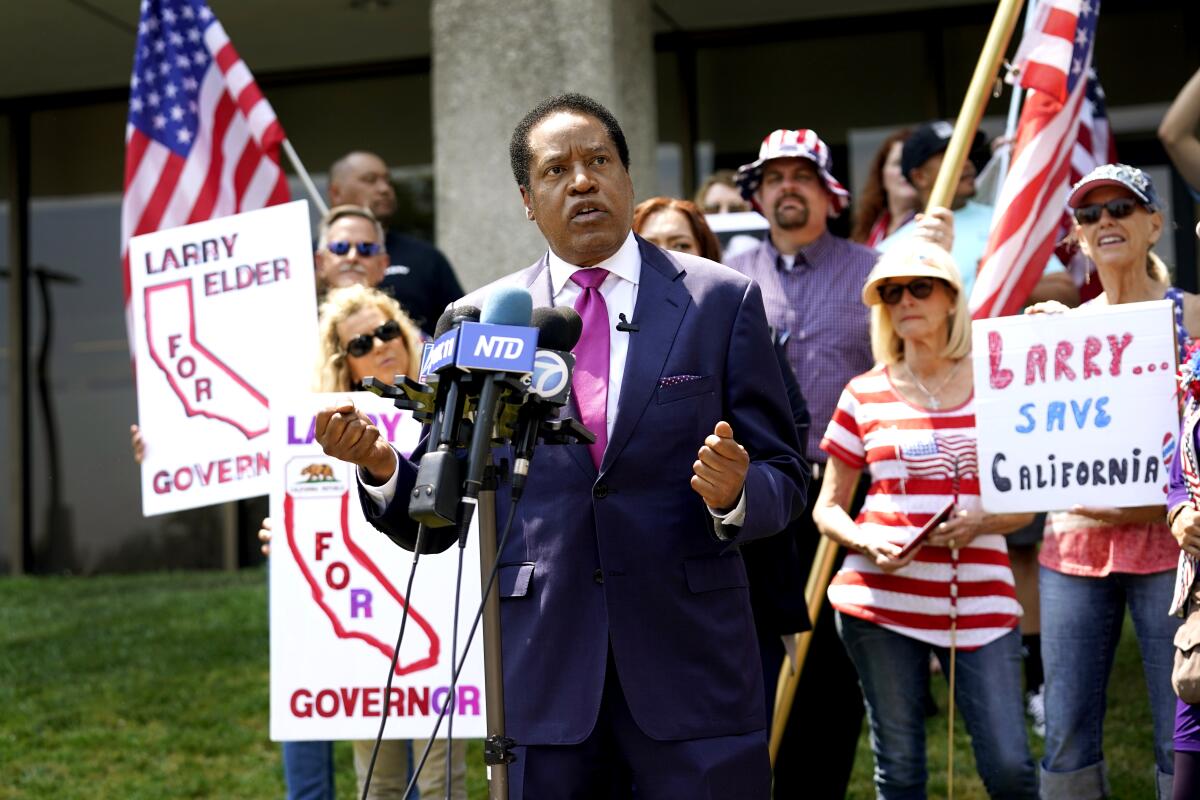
(933, 401)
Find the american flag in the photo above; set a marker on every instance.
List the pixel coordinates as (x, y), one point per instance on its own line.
(1053, 62)
(1094, 146)
(201, 141)
(941, 456)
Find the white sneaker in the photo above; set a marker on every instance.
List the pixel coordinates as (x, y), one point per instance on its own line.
(1035, 707)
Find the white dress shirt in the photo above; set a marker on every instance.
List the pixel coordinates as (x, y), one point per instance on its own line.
(619, 290)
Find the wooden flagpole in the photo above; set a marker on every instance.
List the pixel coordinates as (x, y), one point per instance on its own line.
(971, 112)
(789, 679)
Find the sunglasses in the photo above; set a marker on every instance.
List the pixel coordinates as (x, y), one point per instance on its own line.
(364, 248)
(359, 346)
(1119, 208)
(920, 288)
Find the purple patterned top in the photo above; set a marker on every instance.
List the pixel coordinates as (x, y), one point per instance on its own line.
(818, 304)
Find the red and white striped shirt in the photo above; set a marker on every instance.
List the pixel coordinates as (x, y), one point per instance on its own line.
(916, 456)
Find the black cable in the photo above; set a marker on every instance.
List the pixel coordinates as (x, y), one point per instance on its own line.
(487, 590)
(453, 699)
(387, 690)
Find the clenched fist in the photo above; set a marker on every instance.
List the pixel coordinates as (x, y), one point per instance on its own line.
(346, 434)
(720, 469)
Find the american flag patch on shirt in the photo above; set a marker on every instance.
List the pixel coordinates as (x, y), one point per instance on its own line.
(941, 456)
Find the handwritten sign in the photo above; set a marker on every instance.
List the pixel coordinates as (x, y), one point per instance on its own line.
(338, 594)
(224, 322)
(1076, 408)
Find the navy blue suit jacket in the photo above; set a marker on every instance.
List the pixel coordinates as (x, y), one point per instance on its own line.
(627, 557)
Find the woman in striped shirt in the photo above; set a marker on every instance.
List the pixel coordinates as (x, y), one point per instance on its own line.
(910, 422)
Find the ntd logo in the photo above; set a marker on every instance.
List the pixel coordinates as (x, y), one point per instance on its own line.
(497, 348)
(506, 347)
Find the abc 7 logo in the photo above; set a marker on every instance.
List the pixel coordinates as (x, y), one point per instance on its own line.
(550, 374)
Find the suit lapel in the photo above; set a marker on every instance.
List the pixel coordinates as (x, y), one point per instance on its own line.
(662, 300)
(538, 283)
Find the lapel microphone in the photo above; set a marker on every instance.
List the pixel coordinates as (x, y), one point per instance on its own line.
(625, 326)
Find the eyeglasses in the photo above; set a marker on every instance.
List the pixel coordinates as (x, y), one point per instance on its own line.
(1118, 208)
(359, 346)
(363, 248)
(920, 288)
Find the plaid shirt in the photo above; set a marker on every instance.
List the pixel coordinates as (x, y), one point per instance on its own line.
(818, 304)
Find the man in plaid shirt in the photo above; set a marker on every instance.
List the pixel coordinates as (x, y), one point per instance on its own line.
(811, 283)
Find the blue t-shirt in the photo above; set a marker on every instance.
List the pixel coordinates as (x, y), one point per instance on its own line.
(972, 224)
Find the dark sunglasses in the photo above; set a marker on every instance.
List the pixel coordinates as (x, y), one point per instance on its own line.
(1118, 208)
(359, 346)
(363, 248)
(920, 288)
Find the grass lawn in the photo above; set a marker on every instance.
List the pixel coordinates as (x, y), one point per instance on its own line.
(155, 686)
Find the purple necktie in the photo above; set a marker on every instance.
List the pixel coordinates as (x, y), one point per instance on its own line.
(590, 379)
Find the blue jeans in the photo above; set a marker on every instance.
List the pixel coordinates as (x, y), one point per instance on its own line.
(308, 770)
(892, 670)
(1081, 625)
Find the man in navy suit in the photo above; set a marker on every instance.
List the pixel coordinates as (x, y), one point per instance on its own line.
(630, 658)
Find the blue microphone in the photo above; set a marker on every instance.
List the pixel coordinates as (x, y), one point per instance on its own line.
(500, 344)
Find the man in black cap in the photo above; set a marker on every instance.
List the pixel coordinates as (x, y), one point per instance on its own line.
(920, 161)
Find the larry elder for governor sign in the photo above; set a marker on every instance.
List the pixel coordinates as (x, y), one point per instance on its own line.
(337, 595)
(1076, 408)
(224, 317)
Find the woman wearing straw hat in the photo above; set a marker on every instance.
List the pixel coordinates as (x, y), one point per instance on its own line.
(910, 422)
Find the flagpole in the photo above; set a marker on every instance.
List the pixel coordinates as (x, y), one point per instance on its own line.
(789, 676)
(973, 104)
(1014, 109)
(305, 178)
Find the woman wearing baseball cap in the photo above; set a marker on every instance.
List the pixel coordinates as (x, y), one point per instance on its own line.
(910, 422)
(1097, 561)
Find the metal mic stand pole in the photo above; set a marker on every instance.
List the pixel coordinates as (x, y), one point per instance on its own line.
(497, 748)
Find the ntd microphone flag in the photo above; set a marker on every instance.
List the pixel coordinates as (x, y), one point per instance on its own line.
(496, 348)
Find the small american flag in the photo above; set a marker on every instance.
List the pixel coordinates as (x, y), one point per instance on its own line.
(201, 141)
(941, 456)
(1054, 62)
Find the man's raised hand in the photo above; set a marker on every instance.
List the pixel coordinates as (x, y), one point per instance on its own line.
(345, 433)
(719, 471)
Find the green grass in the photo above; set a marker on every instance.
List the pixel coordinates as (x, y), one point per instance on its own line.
(155, 686)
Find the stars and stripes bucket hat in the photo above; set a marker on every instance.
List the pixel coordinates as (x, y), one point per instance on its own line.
(802, 143)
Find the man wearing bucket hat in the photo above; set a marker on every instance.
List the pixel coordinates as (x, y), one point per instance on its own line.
(811, 282)
(920, 161)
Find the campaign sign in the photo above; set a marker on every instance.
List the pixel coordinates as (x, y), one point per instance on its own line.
(1076, 408)
(496, 348)
(224, 323)
(338, 594)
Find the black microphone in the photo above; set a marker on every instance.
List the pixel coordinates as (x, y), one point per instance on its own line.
(438, 488)
(559, 330)
(625, 326)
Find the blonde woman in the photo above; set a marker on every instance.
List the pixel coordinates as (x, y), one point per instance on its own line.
(910, 423)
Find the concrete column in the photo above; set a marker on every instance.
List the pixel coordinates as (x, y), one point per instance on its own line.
(492, 62)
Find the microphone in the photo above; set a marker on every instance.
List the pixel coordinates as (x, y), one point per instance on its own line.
(437, 490)
(500, 344)
(625, 326)
(559, 330)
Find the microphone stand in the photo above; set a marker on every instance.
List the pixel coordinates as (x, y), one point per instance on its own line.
(497, 748)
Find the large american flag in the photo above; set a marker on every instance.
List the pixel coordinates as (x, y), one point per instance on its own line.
(1053, 62)
(201, 140)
